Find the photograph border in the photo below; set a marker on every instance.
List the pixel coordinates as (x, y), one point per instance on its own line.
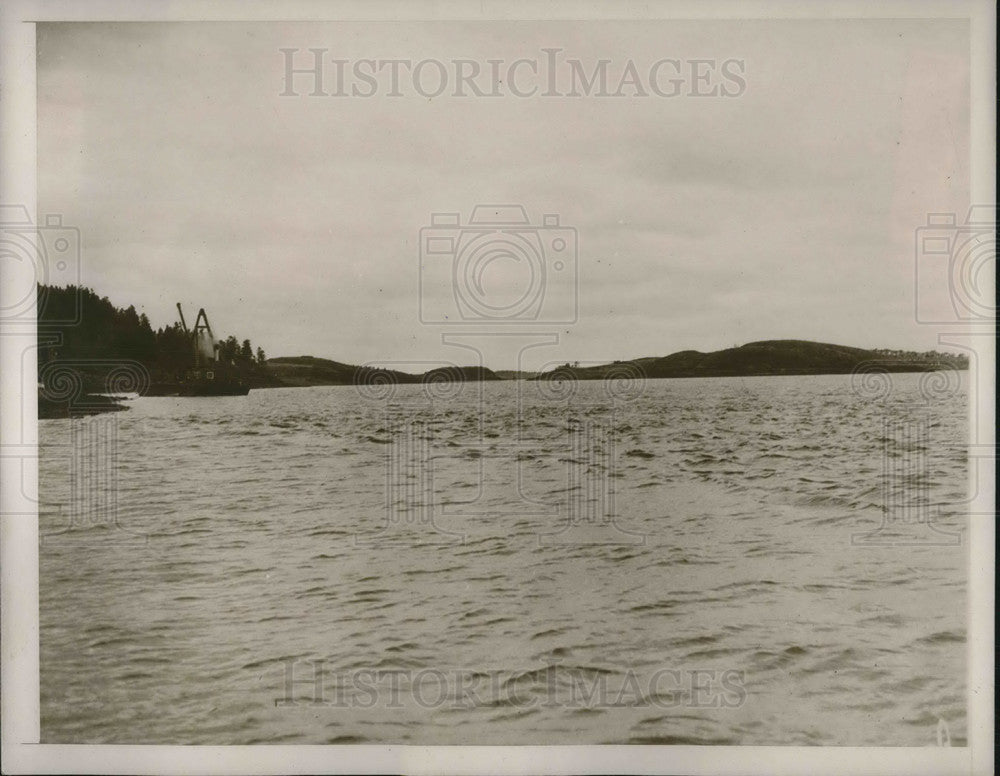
(18, 437)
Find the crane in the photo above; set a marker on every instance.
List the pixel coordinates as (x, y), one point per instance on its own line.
(202, 339)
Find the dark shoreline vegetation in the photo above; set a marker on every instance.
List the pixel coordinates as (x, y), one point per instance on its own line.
(91, 352)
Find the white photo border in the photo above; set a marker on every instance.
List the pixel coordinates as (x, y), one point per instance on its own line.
(18, 436)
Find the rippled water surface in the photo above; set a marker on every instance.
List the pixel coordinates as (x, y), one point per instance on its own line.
(749, 561)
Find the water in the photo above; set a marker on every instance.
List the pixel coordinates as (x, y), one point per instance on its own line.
(724, 561)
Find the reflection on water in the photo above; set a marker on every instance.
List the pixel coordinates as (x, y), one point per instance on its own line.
(746, 561)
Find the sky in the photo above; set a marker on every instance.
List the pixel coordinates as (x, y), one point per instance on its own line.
(786, 210)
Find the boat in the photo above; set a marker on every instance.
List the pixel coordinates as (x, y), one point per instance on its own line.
(210, 375)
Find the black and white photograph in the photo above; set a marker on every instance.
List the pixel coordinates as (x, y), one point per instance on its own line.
(402, 379)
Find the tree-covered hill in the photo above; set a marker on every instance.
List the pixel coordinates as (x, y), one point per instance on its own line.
(79, 328)
(769, 357)
(301, 371)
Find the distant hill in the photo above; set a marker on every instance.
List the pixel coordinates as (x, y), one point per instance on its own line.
(770, 357)
(306, 370)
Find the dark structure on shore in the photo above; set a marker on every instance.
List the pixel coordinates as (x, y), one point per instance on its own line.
(209, 375)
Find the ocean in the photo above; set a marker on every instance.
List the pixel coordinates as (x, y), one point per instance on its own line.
(767, 560)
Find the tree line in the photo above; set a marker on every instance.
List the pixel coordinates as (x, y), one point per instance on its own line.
(74, 323)
(929, 357)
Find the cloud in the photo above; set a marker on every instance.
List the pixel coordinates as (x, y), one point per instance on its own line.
(785, 212)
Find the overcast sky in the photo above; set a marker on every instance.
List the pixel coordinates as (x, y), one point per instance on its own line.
(703, 222)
